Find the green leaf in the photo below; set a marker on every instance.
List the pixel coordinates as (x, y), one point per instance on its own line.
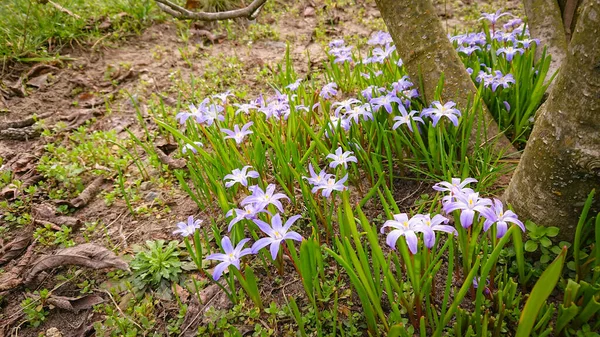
(531, 246)
(552, 231)
(531, 227)
(545, 259)
(546, 242)
(542, 289)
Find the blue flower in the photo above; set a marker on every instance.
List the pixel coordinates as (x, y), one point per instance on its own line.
(231, 256)
(187, 229)
(277, 234)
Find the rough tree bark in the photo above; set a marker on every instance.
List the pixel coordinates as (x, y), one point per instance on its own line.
(561, 162)
(545, 23)
(426, 51)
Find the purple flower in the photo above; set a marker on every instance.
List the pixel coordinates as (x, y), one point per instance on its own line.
(345, 105)
(223, 96)
(402, 226)
(276, 109)
(455, 186)
(250, 212)
(436, 224)
(370, 90)
(341, 54)
(237, 133)
(240, 176)
(294, 86)
(211, 113)
(509, 52)
(506, 105)
(245, 108)
(406, 118)
(380, 38)
(341, 158)
(438, 111)
(317, 179)
(402, 84)
(527, 42)
(343, 122)
(262, 199)
(329, 90)
(190, 147)
(385, 101)
(486, 290)
(468, 204)
(187, 229)
(277, 234)
(497, 215)
(375, 74)
(182, 117)
(331, 185)
(503, 81)
(337, 43)
(380, 54)
(360, 110)
(501, 36)
(493, 17)
(512, 23)
(230, 257)
(468, 50)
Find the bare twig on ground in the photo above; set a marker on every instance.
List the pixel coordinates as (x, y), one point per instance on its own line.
(182, 13)
(170, 162)
(88, 193)
(64, 10)
(21, 123)
(20, 133)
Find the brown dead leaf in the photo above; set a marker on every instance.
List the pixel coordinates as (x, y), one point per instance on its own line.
(24, 161)
(86, 255)
(39, 81)
(12, 191)
(181, 292)
(192, 4)
(47, 214)
(75, 304)
(14, 277)
(15, 248)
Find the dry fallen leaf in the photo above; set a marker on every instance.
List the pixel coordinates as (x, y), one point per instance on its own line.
(86, 255)
(14, 277)
(75, 304)
(14, 248)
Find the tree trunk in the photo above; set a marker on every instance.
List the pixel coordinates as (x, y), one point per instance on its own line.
(561, 162)
(427, 53)
(545, 23)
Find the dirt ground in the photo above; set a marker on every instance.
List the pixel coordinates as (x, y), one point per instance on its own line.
(96, 87)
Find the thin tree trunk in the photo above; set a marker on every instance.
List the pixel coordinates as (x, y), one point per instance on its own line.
(427, 53)
(545, 23)
(561, 162)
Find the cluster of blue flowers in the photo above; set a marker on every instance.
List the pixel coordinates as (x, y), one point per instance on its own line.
(460, 198)
(394, 99)
(257, 202)
(325, 182)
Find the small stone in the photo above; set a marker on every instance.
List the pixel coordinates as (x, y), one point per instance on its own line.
(146, 185)
(309, 11)
(53, 332)
(151, 196)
